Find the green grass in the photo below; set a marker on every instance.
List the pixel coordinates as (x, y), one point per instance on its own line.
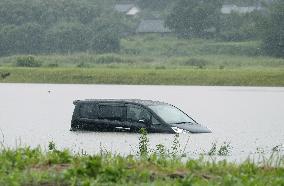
(155, 51)
(152, 59)
(27, 166)
(138, 76)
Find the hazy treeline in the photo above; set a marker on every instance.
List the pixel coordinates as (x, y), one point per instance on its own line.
(191, 18)
(204, 19)
(61, 26)
(46, 26)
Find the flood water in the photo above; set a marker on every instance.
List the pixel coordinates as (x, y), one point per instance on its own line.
(249, 118)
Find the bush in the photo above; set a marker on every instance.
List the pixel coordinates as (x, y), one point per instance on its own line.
(53, 65)
(107, 59)
(27, 61)
(83, 65)
(196, 62)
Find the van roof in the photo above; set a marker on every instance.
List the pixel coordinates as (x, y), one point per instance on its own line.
(136, 101)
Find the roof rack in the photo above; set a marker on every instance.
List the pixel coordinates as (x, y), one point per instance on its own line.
(76, 101)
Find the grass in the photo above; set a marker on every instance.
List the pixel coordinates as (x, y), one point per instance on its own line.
(152, 59)
(170, 52)
(27, 166)
(234, 77)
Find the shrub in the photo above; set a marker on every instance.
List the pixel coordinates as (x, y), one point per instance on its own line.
(53, 65)
(107, 59)
(27, 61)
(83, 65)
(196, 62)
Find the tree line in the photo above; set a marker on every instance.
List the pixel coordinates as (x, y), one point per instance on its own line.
(63, 26)
(48, 26)
(203, 18)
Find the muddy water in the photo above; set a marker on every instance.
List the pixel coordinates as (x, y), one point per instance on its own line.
(249, 118)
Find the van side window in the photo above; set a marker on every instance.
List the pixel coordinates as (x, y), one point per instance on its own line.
(112, 112)
(136, 113)
(88, 111)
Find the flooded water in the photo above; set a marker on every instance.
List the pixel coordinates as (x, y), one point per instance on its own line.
(249, 118)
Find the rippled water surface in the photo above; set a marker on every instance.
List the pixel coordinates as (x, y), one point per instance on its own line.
(249, 118)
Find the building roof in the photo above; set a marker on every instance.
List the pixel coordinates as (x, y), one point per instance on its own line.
(124, 8)
(136, 101)
(152, 26)
(227, 9)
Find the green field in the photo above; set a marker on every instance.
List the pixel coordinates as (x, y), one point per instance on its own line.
(152, 59)
(234, 77)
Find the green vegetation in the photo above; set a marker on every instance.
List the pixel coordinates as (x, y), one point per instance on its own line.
(273, 31)
(69, 26)
(27, 166)
(167, 52)
(193, 18)
(245, 77)
(40, 26)
(203, 19)
(153, 59)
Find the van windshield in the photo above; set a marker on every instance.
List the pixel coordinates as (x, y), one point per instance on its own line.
(171, 114)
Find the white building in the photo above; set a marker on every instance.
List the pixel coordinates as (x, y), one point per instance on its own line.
(128, 9)
(228, 9)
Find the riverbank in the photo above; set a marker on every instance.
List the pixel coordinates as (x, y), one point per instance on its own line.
(145, 76)
(27, 166)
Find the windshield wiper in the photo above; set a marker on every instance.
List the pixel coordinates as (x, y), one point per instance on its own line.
(184, 122)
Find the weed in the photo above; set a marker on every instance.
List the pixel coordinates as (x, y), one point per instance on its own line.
(213, 149)
(277, 148)
(224, 149)
(183, 152)
(143, 143)
(51, 146)
(3, 138)
(161, 150)
(175, 146)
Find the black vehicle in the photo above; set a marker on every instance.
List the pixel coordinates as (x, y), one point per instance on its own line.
(132, 115)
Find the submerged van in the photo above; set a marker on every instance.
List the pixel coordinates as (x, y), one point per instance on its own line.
(131, 116)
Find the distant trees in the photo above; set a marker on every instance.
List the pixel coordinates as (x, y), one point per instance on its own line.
(45, 26)
(195, 18)
(273, 30)
(239, 27)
